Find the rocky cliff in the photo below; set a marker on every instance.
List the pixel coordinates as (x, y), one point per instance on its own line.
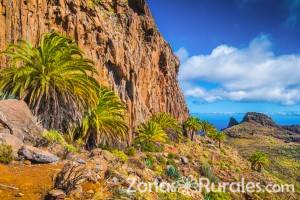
(120, 36)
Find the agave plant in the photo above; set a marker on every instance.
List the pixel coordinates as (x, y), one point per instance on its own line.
(151, 132)
(193, 125)
(169, 124)
(105, 124)
(54, 79)
(258, 161)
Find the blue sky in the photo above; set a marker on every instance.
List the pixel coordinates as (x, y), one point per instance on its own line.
(236, 55)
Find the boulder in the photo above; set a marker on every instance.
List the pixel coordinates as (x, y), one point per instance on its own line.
(16, 119)
(184, 160)
(37, 155)
(12, 140)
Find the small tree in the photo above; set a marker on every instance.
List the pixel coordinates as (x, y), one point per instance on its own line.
(259, 160)
(105, 124)
(169, 124)
(207, 127)
(193, 125)
(217, 136)
(151, 132)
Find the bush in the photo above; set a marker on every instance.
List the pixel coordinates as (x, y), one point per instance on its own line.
(151, 147)
(53, 137)
(162, 160)
(120, 154)
(6, 153)
(172, 156)
(207, 172)
(70, 148)
(172, 171)
(217, 196)
(149, 161)
(130, 151)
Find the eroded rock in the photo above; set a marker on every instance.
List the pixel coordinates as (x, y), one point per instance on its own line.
(37, 155)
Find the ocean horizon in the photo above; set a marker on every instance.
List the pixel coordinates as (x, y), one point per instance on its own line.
(221, 120)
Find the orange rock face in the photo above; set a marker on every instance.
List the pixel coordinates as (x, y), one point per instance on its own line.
(120, 36)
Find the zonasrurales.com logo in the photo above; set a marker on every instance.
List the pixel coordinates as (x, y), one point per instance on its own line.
(190, 185)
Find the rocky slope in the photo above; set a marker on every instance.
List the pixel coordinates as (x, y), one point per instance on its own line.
(120, 36)
(258, 132)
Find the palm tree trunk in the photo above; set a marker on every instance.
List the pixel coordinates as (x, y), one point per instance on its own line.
(193, 134)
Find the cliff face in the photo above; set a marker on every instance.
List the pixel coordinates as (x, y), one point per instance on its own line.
(120, 36)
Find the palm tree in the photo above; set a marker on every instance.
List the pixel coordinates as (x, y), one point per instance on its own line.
(207, 127)
(106, 123)
(258, 161)
(53, 78)
(169, 124)
(192, 124)
(219, 137)
(151, 132)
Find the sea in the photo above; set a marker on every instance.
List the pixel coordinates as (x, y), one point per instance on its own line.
(220, 120)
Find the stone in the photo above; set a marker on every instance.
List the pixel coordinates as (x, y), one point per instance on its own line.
(81, 161)
(56, 194)
(108, 155)
(37, 155)
(131, 56)
(19, 194)
(96, 152)
(17, 120)
(12, 140)
(184, 160)
(27, 162)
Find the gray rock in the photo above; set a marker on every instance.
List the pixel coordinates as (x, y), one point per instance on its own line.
(81, 161)
(37, 155)
(184, 160)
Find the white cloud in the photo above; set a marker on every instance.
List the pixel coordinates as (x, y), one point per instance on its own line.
(182, 54)
(253, 73)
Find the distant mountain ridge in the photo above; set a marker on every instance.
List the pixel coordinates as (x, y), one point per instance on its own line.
(259, 123)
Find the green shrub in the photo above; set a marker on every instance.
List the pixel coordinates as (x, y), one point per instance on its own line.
(172, 156)
(151, 147)
(172, 171)
(53, 137)
(171, 162)
(173, 196)
(149, 161)
(162, 160)
(130, 151)
(207, 172)
(120, 154)
(6, 153)
(70, 148)
(217, 196)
